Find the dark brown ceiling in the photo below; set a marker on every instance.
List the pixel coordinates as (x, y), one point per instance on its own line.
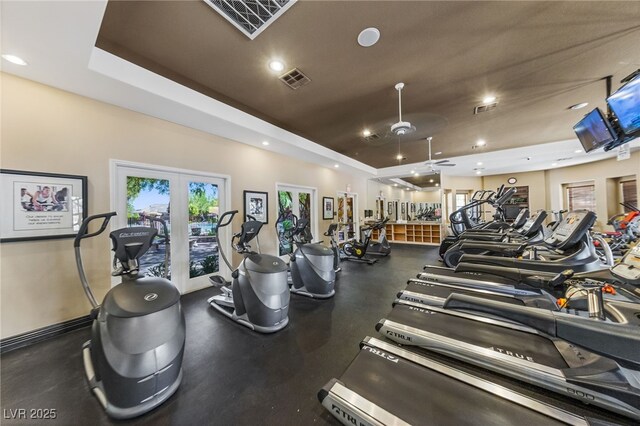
(423, 180)
(537, 57)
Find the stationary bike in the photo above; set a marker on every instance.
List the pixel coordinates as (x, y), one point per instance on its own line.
(133, 361)
(258, 297)
(356, 251)
(382, 246)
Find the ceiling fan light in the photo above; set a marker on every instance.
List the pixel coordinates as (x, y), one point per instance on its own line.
(401, 128)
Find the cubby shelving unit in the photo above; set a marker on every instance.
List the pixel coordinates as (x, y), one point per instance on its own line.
(412, 233)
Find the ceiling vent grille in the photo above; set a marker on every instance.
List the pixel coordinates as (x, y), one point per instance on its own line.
(295, 79)
(484, 108)
(251, 17)
(372, 137)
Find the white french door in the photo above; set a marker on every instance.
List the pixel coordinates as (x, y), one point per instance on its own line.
(302, 201)
(348, 220)
(190, 203)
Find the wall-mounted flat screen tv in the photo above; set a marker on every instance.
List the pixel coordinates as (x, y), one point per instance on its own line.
(594, 131)
(625, 104)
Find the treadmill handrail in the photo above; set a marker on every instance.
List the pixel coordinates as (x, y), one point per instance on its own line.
(614, 340)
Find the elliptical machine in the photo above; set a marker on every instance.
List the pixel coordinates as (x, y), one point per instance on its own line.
(331, 233)
(311, 265)
(382, 246)
(258, 297)
(133, 360)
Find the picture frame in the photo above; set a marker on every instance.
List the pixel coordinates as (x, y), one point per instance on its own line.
(256, 204)
(327, 208)
(40, 205)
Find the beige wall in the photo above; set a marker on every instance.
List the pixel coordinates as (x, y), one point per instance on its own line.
(534, 180)
(427, 196)
(45, 129)
(599, 172)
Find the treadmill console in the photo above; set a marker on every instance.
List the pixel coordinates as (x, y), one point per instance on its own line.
(571, 230)
(628, 269)
(521, 219)
(534, 222)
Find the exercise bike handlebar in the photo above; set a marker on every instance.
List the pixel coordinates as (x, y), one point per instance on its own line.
(225, 219)
(165, 228)
(83, 232)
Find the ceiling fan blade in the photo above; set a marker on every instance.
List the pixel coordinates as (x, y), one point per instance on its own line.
(446, 165)
(442, 161)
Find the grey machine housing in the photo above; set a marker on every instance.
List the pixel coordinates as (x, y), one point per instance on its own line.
(312, 266)
(258, 297)
(133, 361)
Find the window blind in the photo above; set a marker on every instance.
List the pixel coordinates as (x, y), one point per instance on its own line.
(582, 197)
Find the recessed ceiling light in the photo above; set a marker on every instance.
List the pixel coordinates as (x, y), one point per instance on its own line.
(276, 65)
(265, 143)
(413, 171)
(395, 184)
(488, 99)
(431, 180)
(368, 37)
(15, 59)
(481, 142)
(437, 184)
(579, 106)
(554, 164)
(399, 157)
(336, 165)
(479, 163)
(578, 151)
(366, 132)
(416, 174)
(478, 172)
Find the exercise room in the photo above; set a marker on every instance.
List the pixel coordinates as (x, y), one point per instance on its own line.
(297, 212)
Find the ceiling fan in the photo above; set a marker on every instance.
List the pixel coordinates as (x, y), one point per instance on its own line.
(432, 164)
(401, 128)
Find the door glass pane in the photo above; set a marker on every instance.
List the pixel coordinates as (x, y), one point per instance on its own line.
(203, 207)
(148, 199)
(285, 206)
(349, 213)
(304, 205)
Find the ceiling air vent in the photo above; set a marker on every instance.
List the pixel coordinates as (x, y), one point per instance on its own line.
(295, 79)
(485, 108)
(372, 137)
(250, 16)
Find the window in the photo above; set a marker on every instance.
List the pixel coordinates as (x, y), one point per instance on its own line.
(629, 194)
(461, 199)
(189, 202)
(581, 197)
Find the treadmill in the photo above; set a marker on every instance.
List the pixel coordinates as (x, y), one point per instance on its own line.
(389, 385)
(529, 231)
(569, 246)
(594, 361)
(620, 285)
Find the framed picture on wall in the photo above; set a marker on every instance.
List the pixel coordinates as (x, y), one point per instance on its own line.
(41, 206)
(256, 204)
(327, 208)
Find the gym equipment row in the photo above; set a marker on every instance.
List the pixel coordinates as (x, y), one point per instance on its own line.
(527, 328)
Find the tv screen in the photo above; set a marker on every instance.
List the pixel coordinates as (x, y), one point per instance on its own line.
(625, 104)
(594, 131)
